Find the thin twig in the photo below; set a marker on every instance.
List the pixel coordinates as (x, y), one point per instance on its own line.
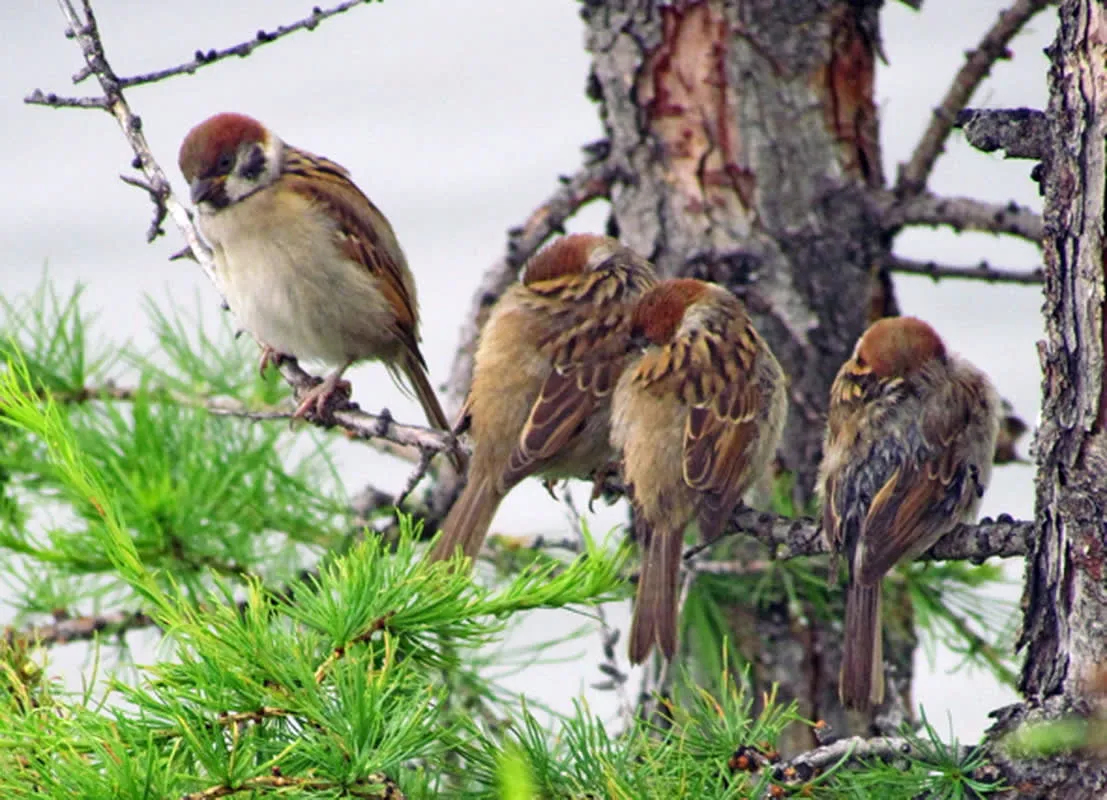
(379, 624)
(203, 58)
(402, 440)
(610, 667)
(978, 63)
(962, 214)
(416, 475)
(87, 35)
(805, 766)
(37, 97)
(591, 182)
(86, 627)
(981, 272)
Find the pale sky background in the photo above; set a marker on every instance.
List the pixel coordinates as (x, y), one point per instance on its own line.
(456, 118)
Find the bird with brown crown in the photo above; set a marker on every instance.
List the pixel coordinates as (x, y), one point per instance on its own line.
(910, 437)
(545, 366)
(305, 261)
(697, 416)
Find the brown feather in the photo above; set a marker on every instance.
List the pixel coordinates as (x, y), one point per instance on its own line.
(364, 232)
(655, 605)
(467, 523)
(861, 680)
(895, 346)
(566, 256)
(661, 310)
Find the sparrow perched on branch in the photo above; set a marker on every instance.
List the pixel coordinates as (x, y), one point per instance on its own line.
(698, 417)
(546, 364)
(909, 444)
(306, 262)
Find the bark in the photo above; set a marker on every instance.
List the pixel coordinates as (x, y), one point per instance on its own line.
(1065, 632)
(751, 134)
(1065, 627)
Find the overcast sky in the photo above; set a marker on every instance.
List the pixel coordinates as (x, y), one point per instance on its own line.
(456, 118)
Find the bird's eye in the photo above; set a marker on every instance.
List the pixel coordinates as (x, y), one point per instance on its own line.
(859, 360)
(224, 164)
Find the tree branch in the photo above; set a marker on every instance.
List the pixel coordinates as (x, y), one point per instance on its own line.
(67, 629)
(356, 423)
(789, 538)
(962, 214)
(978, 63)
(203, 58)
(806, 766)
(591, 182)
(1019, 132)
(87, 35)
(981, 272)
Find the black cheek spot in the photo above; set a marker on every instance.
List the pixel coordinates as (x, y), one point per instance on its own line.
(254, 164)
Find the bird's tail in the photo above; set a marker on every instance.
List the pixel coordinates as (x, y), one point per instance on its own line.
(655, 606)
(417, 375)
(468, 521)
(861, 682)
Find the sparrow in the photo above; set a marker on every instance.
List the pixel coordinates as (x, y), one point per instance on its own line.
(305, 260)
(546, 363)
(697, 417)
(908, 453)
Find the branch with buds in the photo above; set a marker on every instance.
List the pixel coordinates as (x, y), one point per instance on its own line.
(962, 214)
(981, 272)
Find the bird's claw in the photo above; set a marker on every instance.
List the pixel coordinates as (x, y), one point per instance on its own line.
(323, 400)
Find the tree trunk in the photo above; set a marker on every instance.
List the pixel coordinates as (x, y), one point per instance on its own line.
(745, 137)
(1065, 629)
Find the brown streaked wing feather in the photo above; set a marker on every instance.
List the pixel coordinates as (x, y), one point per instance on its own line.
(721, 426)
(562, 408)
(920, 503)
(366, 235)
(588, 355)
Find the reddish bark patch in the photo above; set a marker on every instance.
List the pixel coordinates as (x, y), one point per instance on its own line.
(692, 110)
(846, 85)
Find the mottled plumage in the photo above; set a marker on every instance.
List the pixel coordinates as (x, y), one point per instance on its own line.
(545, 367)
(910, 437)
(698, 417)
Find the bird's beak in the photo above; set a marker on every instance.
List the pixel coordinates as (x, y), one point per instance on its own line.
(205, 188)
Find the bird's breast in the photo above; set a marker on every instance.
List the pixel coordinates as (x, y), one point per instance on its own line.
(288, 282)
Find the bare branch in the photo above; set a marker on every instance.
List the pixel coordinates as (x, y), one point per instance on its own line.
(789, 538)
(978, 63)
(1019, 132)
(616, 676)
(981, 272)
(203, 58)
(67, 629)
(806, 766)
(963, 214)
(87, 35)
(356, 423)
(591, 182)
(41, 98)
